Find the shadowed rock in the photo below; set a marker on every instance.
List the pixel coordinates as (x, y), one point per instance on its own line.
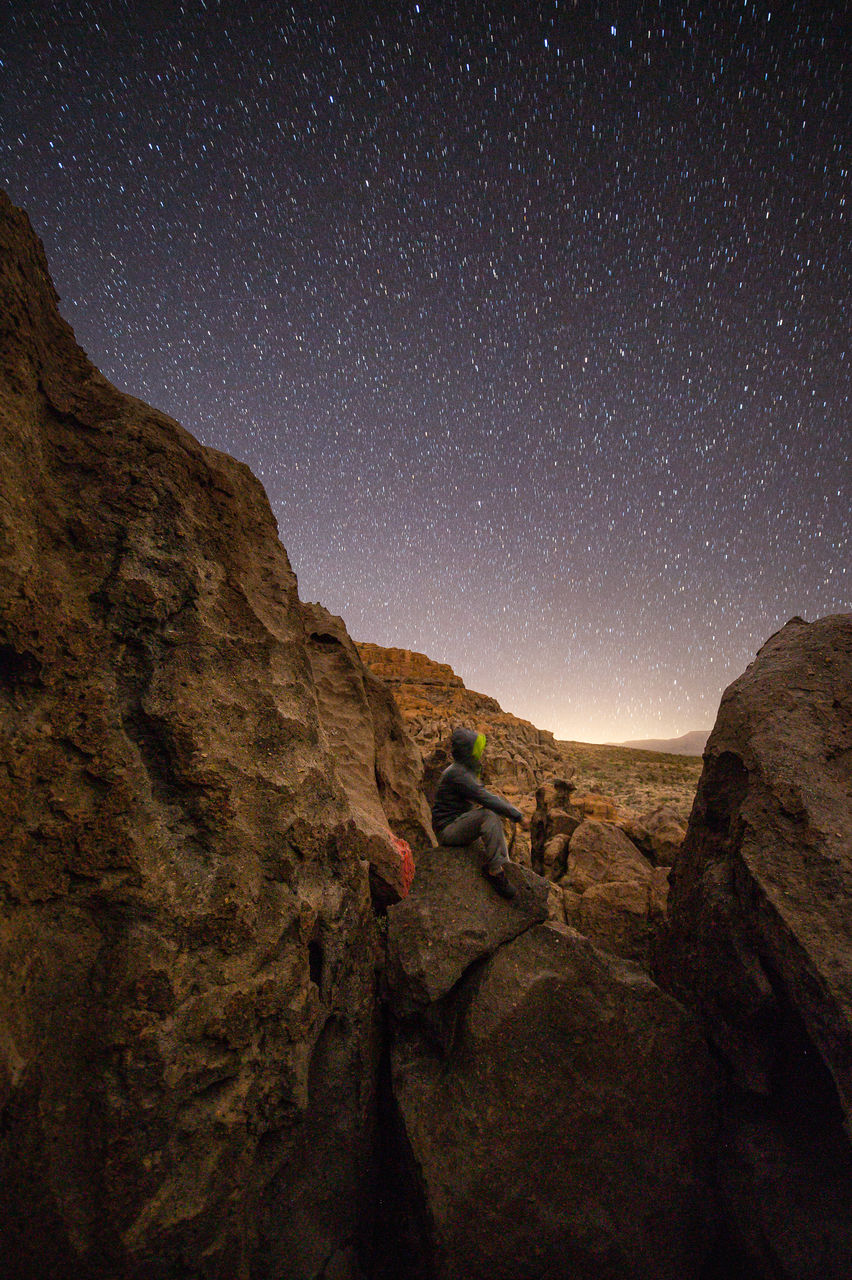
(760, 896)
(611, 892)
(760, 943)
(199, 775)
(565, 1131)
(658, 834)
(375, 761)
(553, 823)
(600, 852)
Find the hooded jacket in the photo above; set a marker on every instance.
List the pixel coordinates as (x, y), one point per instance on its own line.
(459, 788)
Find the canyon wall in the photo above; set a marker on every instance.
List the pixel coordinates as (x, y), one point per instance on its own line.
(188, 947)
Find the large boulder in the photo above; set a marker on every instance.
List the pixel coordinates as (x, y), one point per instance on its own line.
(759, 904)
(563, 1127)
(187, 945)
(611, 892)
(759, 942)
(450, 920)
(658, 834)
(598, 853)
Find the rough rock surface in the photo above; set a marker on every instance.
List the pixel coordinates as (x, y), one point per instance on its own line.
(611, 892)
(187, 946)
(760, 940)
(599, 852)
(785, 1183)
(553, 822)
(760, 896)
(451, 919)
(374, 759)
(596, 805)
(198, 774)
(659, 835)
(561, 1126)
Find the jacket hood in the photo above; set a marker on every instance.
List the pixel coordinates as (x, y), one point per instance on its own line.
(463, 745)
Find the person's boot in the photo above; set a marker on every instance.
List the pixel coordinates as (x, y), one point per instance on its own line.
(500, 881)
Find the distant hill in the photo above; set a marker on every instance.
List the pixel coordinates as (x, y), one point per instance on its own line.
(690, 744)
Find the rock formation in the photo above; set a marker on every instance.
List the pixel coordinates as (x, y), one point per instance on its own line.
(521, 759)
(554, 821)
(188, 1022)
(759, 943)
(450, 921)
(658, 834)
(377, 763)
(611, 893)
(557, 1109)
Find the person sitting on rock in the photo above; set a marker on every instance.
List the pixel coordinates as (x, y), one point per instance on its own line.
(464, 809)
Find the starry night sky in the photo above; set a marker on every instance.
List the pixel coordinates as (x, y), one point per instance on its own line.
(532, 319)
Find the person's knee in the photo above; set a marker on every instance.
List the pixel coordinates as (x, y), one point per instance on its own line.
(493, 832)
(491, 823)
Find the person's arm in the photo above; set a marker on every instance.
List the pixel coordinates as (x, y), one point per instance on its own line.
(477, 794)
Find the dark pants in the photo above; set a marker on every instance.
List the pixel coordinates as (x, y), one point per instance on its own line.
(479, 822)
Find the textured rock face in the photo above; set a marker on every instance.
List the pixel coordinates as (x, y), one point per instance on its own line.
(553, 822)
(611, 893)
(187, 947)
(594, 805)
(377, 764)
(560, 1125)
(658, 834)
(760, 895)
(451, 919)
(422, 685)
(201, 782)
(760, 942)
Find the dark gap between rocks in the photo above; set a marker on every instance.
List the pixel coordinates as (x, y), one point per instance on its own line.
(401, 1244)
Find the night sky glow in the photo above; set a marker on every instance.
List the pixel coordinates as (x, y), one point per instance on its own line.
(532, 320)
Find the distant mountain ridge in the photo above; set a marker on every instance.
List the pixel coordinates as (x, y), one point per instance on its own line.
(689, 744)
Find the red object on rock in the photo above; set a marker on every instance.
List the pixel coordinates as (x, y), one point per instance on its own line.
(406, 858)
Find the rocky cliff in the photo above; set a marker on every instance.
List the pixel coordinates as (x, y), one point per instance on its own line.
(759, 944)
(621, 909)
(610, 782)
(188, 1016)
